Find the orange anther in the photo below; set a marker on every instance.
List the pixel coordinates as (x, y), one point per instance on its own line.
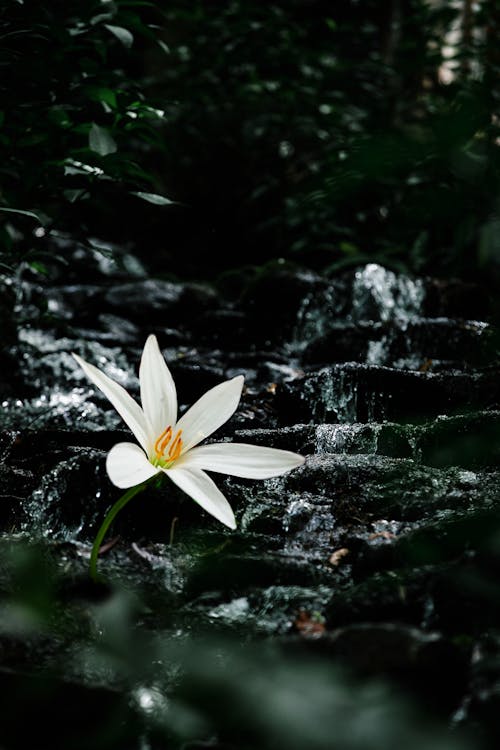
(176, 447)
(162, 441)
(166, 440)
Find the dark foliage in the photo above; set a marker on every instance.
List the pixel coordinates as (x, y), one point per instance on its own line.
(323, 134)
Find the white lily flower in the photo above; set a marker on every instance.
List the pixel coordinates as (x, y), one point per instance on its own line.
(169, 445)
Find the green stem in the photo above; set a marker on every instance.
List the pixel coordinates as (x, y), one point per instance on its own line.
(113, 512)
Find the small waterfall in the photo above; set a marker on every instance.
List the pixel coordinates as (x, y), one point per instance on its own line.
(380, 294)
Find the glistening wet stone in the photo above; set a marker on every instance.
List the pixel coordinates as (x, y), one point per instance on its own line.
(378, 556)
(363, 393)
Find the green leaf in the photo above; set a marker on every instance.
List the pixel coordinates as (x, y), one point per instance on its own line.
(38, 267)
(40, 217)
(124, 35)
(102, 94)
(157, 200)
(164, 46)
(76, 195)
(101, 141)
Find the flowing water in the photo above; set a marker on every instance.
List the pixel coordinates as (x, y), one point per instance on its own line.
(358, 594)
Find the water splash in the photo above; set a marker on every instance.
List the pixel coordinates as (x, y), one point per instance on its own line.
(380, 294)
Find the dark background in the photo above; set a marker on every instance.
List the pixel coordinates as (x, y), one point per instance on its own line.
(318, 133)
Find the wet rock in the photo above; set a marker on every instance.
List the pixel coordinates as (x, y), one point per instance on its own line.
(76, 303)
(111, 330)
(11, 380)
(271, 316)
(195, 379)
(418, 344)
(7, 305)
(158, 302)
(471, 441)
(456, 298)
(389, 531)
(363, 393)
(224, 328)
(443, 537)
(297, 438)
(68, 502)
(234, 573)
(463, 344)
(349, 342)
(15, 486)
(401, 596)
(399, 488)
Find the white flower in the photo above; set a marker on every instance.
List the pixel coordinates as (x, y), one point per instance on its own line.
(168, 445)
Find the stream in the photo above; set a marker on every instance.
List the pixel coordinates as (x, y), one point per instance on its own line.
(356, 606)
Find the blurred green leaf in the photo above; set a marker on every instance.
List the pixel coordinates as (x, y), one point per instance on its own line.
(123, 35)
(157, 200)
(38, 267)
(101, 141)
(40, 217)
(102, 94)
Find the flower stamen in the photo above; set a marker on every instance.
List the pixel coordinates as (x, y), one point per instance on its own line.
(175, 449)
(163, 441)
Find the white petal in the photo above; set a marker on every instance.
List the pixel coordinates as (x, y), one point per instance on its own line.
(210, 412)
(127, 465)
(241, 460)
(127, 408)
(158, 394)
(202, 489)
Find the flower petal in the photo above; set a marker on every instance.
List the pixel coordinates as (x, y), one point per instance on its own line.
(202, 489)
(127, 408)
(127, 465)
(210, 412)
(241, 460)
(158, 394)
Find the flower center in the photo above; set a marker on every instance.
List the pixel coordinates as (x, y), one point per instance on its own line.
(174, 447)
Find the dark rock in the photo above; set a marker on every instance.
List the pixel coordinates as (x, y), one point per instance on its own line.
(76, 303)
(438, 540)
(7, 316)
(348, 342)
(69, 501)
(462, 344)
(362, 393)
(417, 344)
(272, 302)
(471, 441)
(400, 596)
(221, 328)
(15, 486)
(195, 379)
(456, 298)
(159, 303)
(297, 438)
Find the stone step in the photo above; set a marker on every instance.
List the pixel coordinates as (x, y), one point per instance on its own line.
(430, 344)
(470, 441)
(358, 488)
(355, 392)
